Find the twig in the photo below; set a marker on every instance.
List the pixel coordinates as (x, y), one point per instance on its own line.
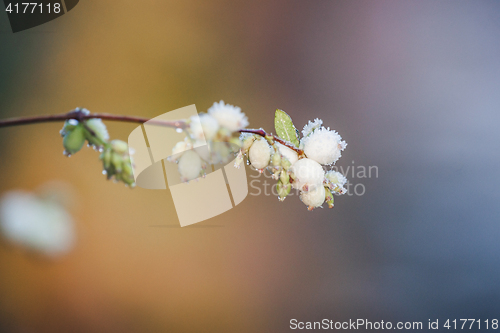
(263, 133)
(82, 114)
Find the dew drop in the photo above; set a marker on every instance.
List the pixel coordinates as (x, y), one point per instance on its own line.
(178, 130)
(101, 149)
(88, 145)
(104, 172)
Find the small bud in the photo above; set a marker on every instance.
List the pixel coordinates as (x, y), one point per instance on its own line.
(238, 161)
(283, 190)
(74, 139)
(285, 163)
(100, 136)
(119, 146)
(117, 162)
(106, 158)
(329, 197)
(235, 142)
(284, 177)
(248, 140)
(276, 159)
(68, 126)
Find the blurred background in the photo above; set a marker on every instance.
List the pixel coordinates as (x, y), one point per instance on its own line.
(413, 87)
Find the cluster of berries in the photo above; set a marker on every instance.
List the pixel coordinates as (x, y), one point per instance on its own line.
(209, 140)
(294, 162)
(301, 167)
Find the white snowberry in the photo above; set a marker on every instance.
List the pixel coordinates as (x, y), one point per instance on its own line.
(205, 127)
(189, 165)
(313, 198)
(228, 116)
(324, 146)
(307, 174)
(260, 154)
(290, 154)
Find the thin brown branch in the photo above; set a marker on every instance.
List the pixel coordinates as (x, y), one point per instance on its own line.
(263, 133)
(81, 114)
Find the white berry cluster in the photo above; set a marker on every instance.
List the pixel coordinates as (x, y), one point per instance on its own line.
(209, 140)
(300, 166)
(294, 161)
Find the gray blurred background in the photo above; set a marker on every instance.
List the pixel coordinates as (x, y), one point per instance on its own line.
(412, 86)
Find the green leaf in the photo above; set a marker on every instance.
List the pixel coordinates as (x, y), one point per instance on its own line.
(284, 127)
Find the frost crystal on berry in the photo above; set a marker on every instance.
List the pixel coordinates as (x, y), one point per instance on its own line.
(324, 146)
(311, 126)
(228, 116)
(336, 178)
